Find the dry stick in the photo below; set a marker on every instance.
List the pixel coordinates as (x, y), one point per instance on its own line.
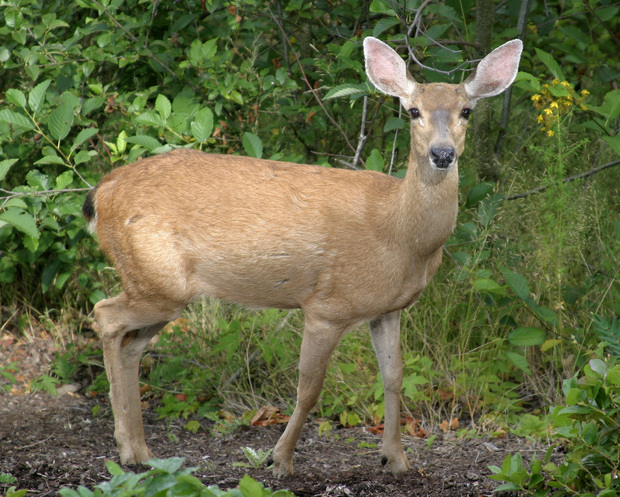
(363, 136)
(312, 90)
(416, 23)
(565, 180)
(11, 194)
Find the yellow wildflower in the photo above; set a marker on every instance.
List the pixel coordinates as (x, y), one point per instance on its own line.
(555, 81)
(566, 84)
(550, 132)
(553, 105)
(548, 111)
(540, 118)
(584, 93)
(536, 98)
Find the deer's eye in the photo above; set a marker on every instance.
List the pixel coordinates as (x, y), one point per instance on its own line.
(466, 113)
(414, 113)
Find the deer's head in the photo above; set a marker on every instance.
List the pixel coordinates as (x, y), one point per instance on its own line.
(440, 112)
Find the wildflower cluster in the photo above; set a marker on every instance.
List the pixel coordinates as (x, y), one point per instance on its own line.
(556, 100)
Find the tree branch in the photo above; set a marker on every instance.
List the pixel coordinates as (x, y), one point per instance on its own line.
(565, 180)
(11, 194)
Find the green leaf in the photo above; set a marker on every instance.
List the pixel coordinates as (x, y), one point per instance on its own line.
(344, 91)
(82, 156)
(146, 141)
(202, 125)
(518, 361)
(543, 313)
(16, 119)
(598, 366)
(548, 60)
(37, 96)
(374, 162)
(49, 273)
(478, 193)
(527, 82)
(113, 468)
(5, 54)
(574, 411)
(163, 106)
(60, 121)
(611, 106)
(488, 208)
(149, 118)
(250, 487)
(613, 375)
(92, 104)
(526, 337)
(50, 159)
(517, 283)
(549, 344)
(209, 48)
(63, 180)
(21, 220)
(507, 487)
(82, 136)
(252, 145)
(121, 142)
(16, 97)
(170, 465)
(384, 24)
(5, 165)
(613, 142)
(488, 285)
(393, 123)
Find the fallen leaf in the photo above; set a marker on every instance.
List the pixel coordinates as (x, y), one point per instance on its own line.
(449, 425)
(269, 415)
(377, 429)
(414, 428)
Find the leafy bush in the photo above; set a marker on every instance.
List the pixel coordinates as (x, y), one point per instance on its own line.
(586, 428)
(167, 478)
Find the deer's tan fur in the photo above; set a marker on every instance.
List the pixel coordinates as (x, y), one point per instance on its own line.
(344, 246)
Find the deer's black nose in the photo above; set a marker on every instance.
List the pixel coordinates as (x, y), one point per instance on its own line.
(442, 157)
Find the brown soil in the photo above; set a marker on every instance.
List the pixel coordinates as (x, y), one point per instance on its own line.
(49, 442)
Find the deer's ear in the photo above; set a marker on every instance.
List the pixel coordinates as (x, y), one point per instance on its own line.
(496, 71)
(386, 69)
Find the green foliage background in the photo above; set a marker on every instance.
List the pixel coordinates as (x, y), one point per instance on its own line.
(88, 85)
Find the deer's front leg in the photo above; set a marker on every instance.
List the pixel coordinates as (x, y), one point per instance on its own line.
(318, 343)
(385, 333)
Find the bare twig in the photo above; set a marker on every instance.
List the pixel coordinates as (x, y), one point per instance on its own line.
(393, 157)
(363, 136)
(11, 194)
(565, 180)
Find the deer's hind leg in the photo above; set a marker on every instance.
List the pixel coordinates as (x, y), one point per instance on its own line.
(126, 326)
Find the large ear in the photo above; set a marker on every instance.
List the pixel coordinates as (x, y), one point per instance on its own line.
(496, 71)
(386, 69)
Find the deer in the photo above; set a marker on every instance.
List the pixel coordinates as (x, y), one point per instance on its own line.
(345, 246)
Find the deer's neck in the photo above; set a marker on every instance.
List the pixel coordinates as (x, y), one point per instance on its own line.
(427, 205)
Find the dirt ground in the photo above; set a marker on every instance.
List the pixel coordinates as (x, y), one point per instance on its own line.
(49, 442)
